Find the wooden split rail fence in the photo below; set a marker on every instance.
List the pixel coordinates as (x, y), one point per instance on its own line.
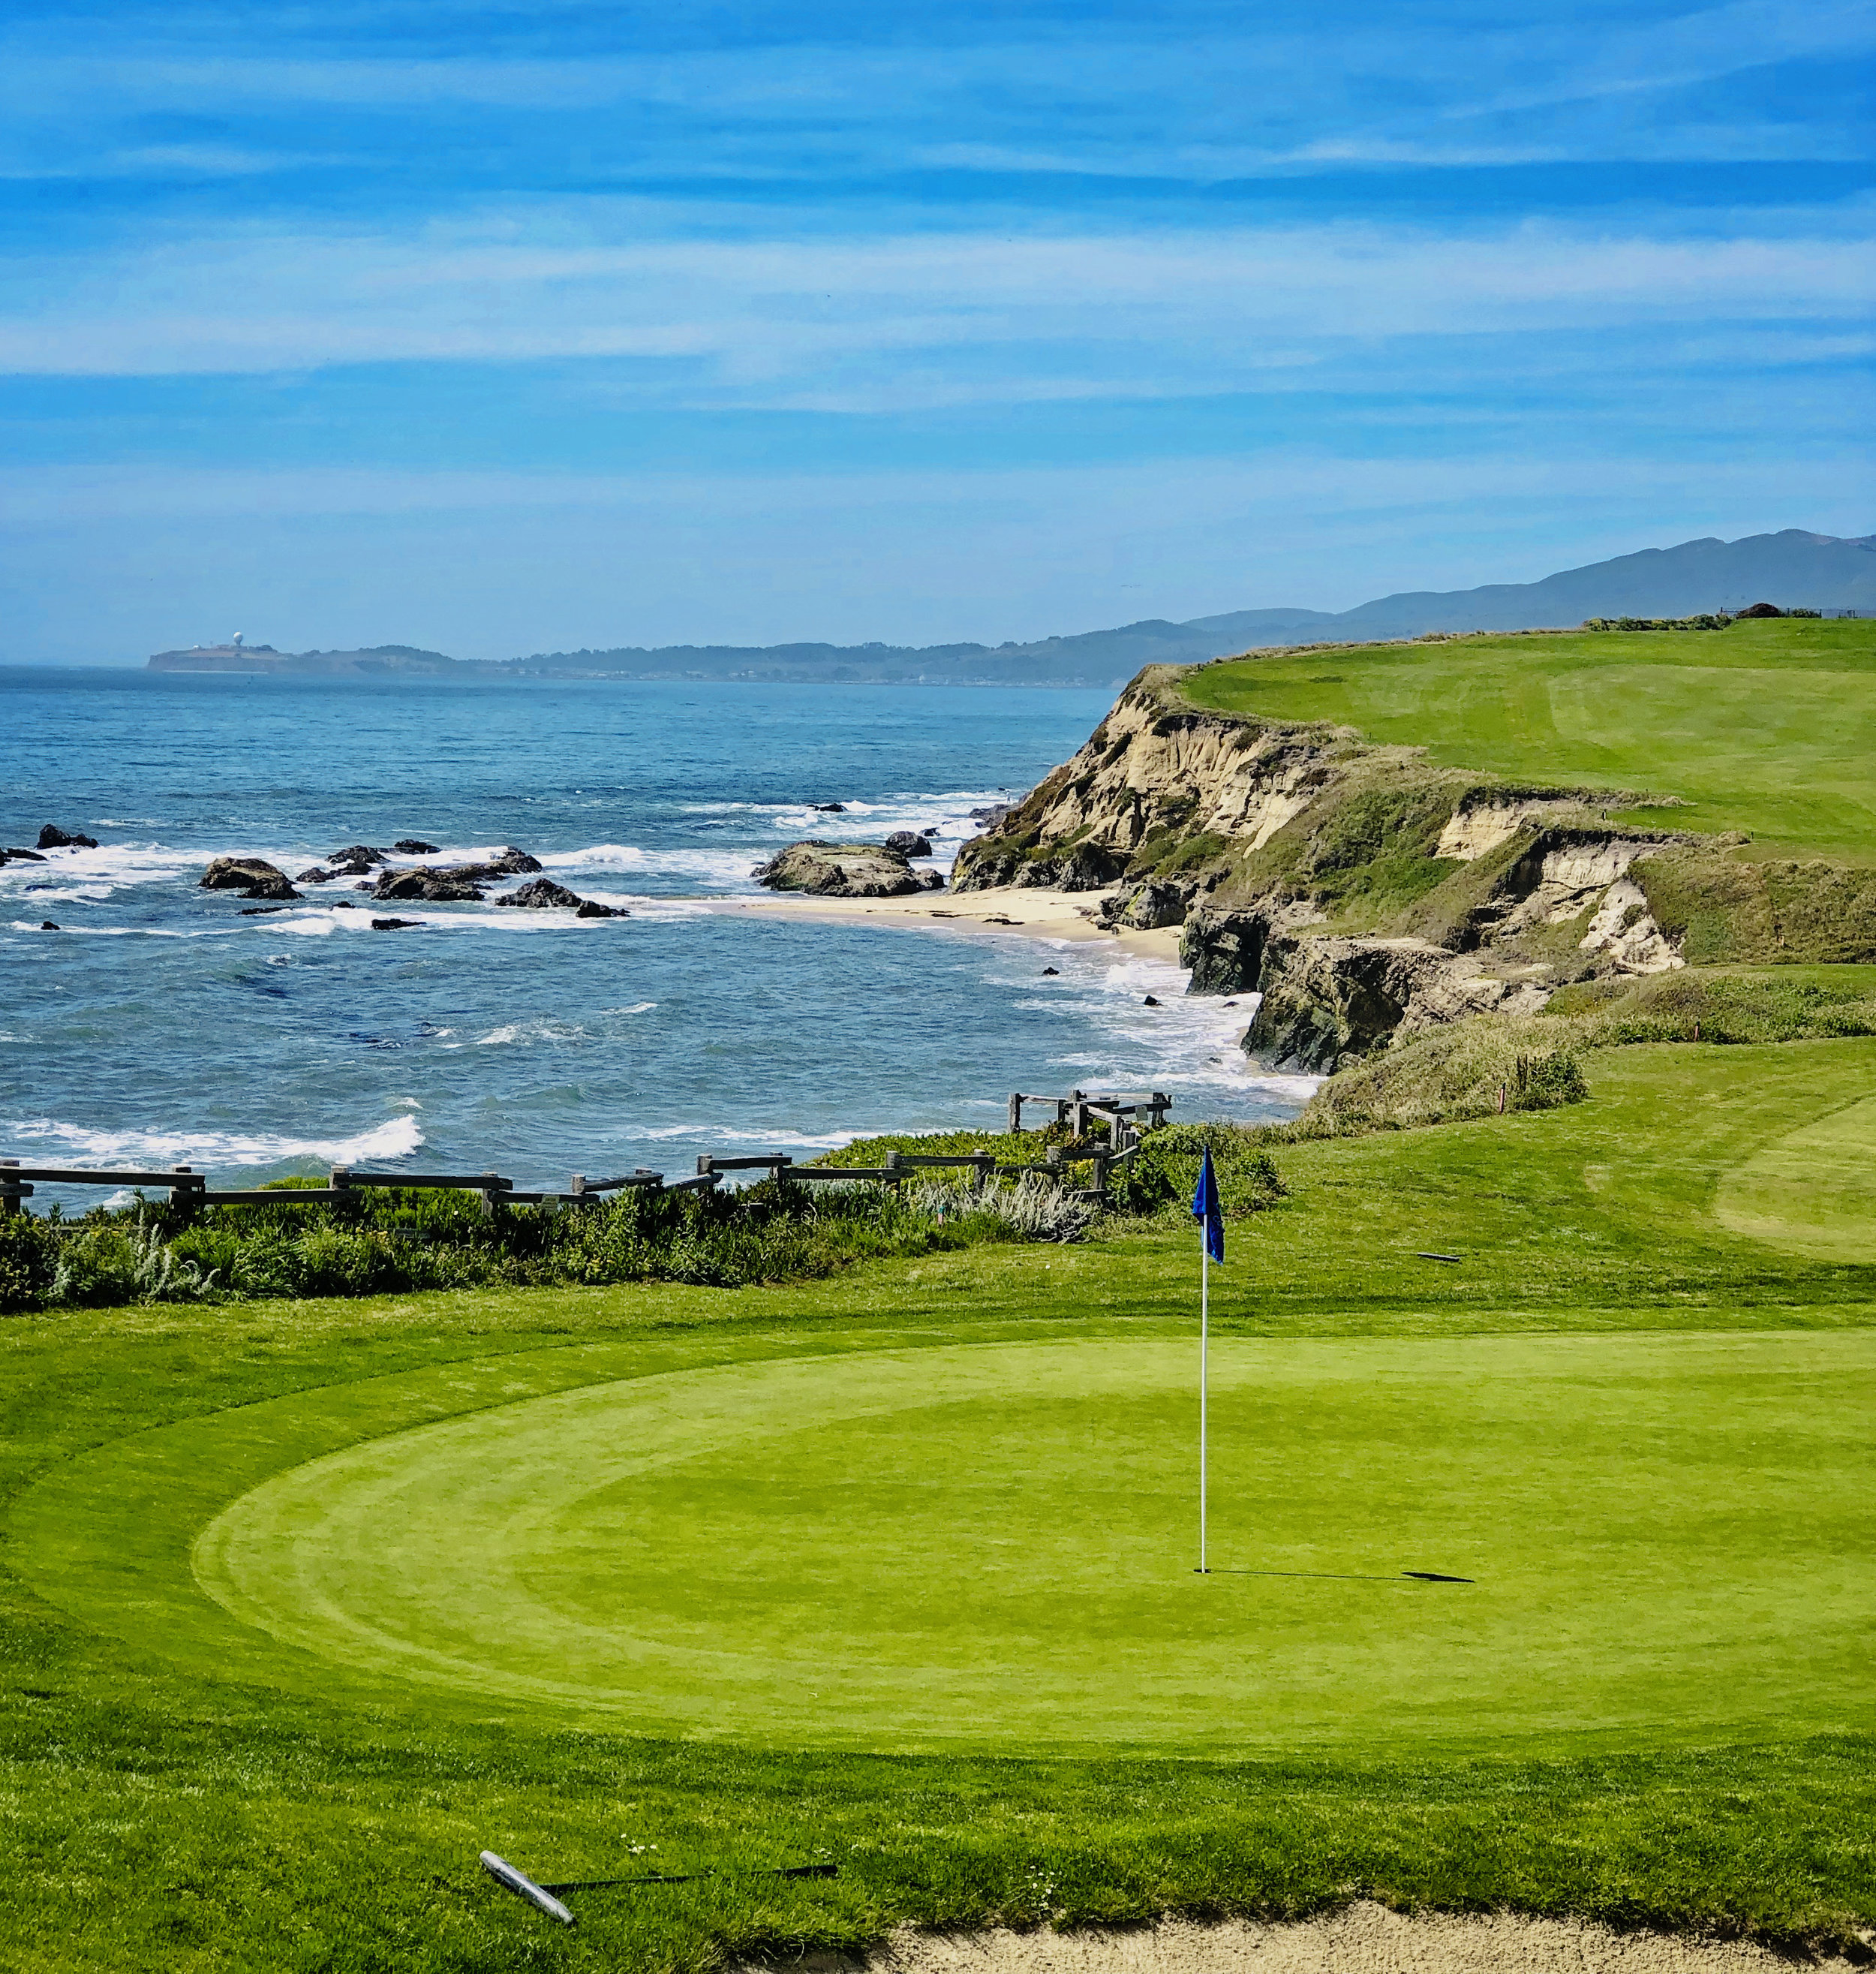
(189, 1189)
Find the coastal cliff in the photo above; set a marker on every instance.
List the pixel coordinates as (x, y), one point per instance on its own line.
(1368, 894)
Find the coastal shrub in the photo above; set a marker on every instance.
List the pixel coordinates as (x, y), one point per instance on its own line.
(1034, 1209)
(29, 1259)
(1163, 1174)
(390, 1240)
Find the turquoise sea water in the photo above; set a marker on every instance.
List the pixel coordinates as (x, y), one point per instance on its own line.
(159, 1025)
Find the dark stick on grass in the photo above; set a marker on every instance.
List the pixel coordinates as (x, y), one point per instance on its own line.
(693, 1877)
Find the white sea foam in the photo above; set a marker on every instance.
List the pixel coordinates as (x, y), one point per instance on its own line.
(532, 1032)
(396, 1138)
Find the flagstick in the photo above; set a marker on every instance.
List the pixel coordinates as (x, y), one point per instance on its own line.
(1205, 1324)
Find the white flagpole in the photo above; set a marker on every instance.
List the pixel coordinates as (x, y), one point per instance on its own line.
(1205, 1324)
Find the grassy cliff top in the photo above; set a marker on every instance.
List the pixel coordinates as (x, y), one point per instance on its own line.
(1769, 727)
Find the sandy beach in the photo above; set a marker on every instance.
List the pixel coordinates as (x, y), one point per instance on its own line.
(1041, 914)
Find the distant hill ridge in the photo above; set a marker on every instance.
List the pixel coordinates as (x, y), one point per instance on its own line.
(1792, 569)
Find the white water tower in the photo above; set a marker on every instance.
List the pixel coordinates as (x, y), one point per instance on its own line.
(236, 639)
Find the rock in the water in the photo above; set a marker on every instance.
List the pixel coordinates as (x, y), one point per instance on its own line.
(908, 844)
(590, 908)
(513, 863)
(48, 925)
(1151, 1000)
(396, 925)
(316, 876)
(253, 877)
(53, 837)
(15, 855)
(844, 870)
(435, 887)
(1047, 971)
(260, 911)
(412, 846)
(543, 894)
(356, 854)
(829, 808)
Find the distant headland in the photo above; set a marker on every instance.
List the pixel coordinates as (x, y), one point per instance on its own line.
(1792, 569)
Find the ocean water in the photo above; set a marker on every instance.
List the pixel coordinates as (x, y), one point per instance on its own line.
(159, 1025)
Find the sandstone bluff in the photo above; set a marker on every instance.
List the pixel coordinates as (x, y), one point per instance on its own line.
(1368, 894)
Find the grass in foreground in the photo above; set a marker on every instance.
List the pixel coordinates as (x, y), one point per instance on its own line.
(174, 1798)
(1767, 727)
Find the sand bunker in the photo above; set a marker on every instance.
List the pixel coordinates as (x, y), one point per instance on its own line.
(1363, 1939)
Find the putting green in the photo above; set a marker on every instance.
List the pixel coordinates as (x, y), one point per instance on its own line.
(1812, 1192)
(994, 1544)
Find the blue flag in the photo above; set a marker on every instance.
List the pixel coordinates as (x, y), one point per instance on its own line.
(1205, 1207)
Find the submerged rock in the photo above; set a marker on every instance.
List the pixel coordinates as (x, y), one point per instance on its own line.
(253, 877)
(52, 838)
(844, 870)
(397, 925)
(11, 855)
(412, 846)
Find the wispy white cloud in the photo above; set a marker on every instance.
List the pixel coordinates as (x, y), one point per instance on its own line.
(595, 280)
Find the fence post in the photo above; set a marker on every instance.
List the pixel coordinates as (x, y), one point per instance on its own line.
(576, 1185)
(1016, 1112)
(1081, 1115)
(9, 1192)
(488, 1196)
(179, 1194)
(895, 1171)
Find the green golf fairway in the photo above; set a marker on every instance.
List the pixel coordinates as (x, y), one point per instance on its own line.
(1768, 727)
(1813, 1192)
(994, 1544)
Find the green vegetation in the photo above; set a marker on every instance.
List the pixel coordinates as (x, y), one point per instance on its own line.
(1495, 1062)
(390, 1238)
(304, 1603)
(1768, 727)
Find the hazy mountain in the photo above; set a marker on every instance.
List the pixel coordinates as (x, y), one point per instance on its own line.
(263, 661)
(1791, 568)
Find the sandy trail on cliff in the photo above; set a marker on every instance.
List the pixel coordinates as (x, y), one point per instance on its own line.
(1040, 914)
(1363, 1939)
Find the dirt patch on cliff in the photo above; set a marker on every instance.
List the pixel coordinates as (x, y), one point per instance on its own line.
(1363, 1939)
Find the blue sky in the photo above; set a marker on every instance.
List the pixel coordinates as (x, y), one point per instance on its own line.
(504, 330)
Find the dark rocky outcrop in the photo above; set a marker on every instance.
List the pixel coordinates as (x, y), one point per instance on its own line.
(316, 876)
(397, 925)
(844, 870)
(508, 863)
(11, 855)
(829, 808)
(542, 894)
(1225, 950)
(52, 838)
(413, 846)
(1146, 907)
(985, 864)
(906, 843)
(253, 877)
(436, 887)
(356, 858)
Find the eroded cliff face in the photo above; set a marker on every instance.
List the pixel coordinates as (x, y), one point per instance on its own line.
(1361, 892)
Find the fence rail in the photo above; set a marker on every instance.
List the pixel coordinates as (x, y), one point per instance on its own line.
(188, 1187)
